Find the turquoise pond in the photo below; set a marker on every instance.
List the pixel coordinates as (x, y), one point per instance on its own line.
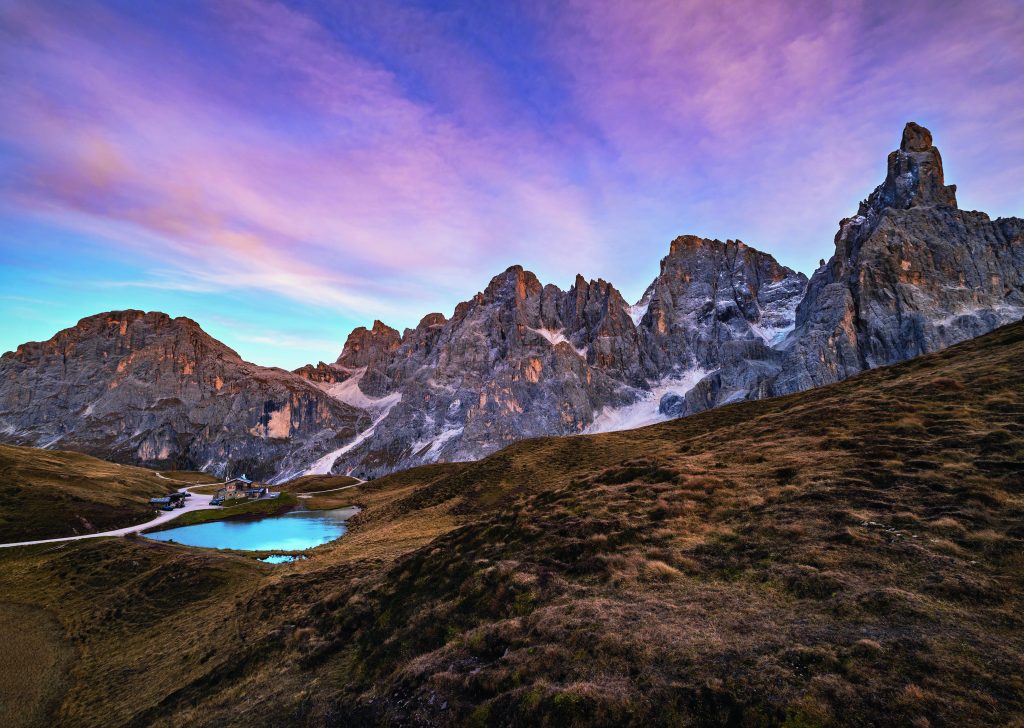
(280, 559)
(294, 531)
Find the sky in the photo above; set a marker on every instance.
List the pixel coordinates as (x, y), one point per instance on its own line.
(284, 172)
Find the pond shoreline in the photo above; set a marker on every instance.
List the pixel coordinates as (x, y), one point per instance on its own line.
(285, 531)
(270, 507)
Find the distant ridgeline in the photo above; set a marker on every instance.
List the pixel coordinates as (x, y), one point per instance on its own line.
(721, 323)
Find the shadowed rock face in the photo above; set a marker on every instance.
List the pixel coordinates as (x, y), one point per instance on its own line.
(722, 322)
(146, 388)
(714, 301)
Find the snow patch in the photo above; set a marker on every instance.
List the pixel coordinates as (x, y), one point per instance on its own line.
(51, 443)
(778, 318)
(644, 411)
(558, 337)
(324, 465)
(1003, 312)
(772, 335)
(350, 393)
(639, 309)
(436, 444)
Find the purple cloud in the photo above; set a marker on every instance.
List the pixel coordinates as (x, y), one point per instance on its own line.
(384, 159)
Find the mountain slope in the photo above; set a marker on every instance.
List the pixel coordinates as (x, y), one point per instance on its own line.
(522, 359)
(146, 388)
(50, 494)
(848, 555)
(721, 323)
(911, 274)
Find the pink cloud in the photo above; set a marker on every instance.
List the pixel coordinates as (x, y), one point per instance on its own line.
(383, 188)
(280, 157)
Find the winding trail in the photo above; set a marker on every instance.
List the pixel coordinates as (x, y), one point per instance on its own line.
(331, 490)
(196, 502)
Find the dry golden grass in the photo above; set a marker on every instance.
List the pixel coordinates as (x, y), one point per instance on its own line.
(53, 493)
(190, 476)
(207, 489)
(33, 671)
(809, 560)
(310, 483)
(850, 555)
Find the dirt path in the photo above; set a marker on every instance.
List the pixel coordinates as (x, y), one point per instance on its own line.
(197, 502)
(160, 475)
(329, 490)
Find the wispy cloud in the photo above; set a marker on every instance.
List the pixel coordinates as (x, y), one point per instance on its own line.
(382, 159)
(356, 184)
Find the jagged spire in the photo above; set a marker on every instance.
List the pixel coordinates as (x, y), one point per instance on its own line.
(914, 177)
(915, 138)
(364, 346)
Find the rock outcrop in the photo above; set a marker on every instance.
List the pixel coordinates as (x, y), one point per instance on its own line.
(713, 301)
(145, 388)
(522, 359)
(722, 322)
(911, 274)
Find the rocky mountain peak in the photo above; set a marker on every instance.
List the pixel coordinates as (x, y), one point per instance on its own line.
(364, 346)
(118, 333)
(685, 244)
(714, 301)
(915, 138)
(911, 274)
(147, 388)
(914, 176)
(432, 319)
(689, 250)
(513, 283)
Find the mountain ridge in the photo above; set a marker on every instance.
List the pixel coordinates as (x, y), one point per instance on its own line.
(146, 388)
(721, 322)
(848, 555)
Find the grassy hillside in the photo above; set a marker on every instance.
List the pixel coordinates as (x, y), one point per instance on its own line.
(852, 555)
(313, 483)
(190, 476)
(53, 493)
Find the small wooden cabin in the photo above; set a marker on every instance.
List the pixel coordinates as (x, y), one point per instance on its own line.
(241, 487)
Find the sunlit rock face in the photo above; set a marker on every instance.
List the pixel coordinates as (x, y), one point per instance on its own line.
(146, 388)
(911, 274)
(720, 323)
